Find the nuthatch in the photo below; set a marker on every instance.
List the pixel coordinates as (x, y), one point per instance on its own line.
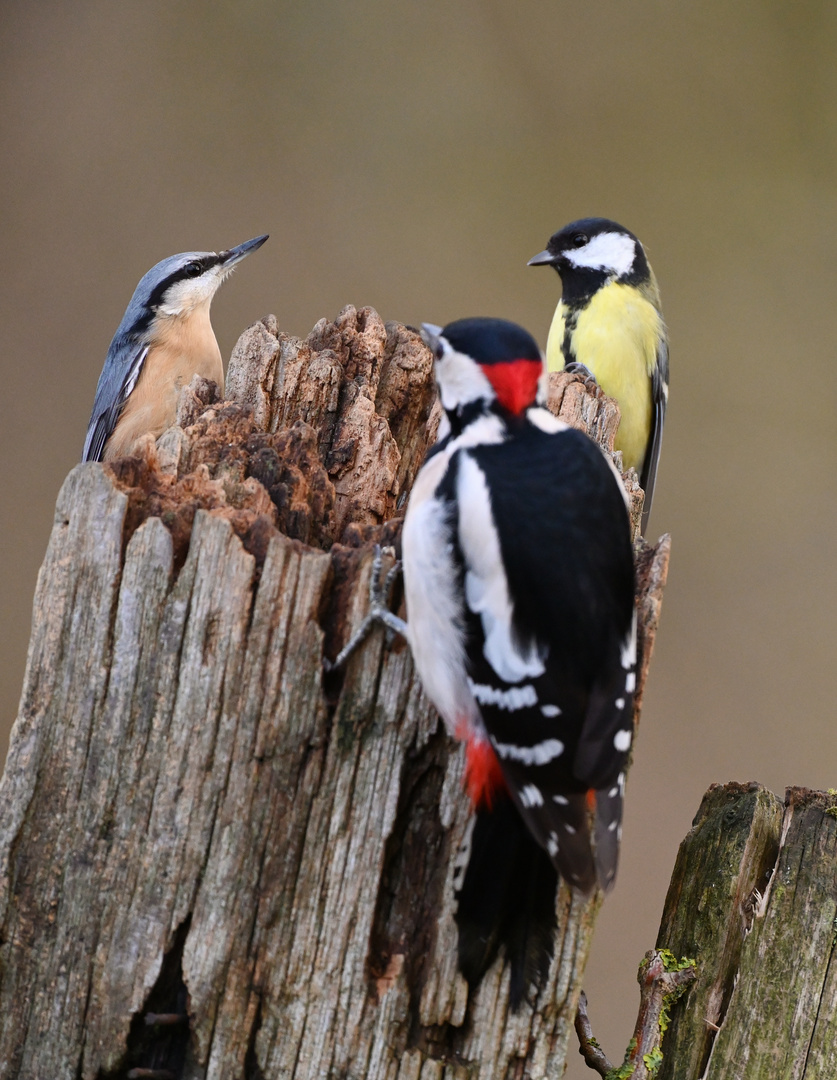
(165, 338)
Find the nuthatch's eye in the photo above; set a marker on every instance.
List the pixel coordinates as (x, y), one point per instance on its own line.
(194, 269)
(439, 351)
(580, 239)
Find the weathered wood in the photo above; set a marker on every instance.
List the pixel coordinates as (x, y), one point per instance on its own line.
(753, 902)
(194, 819)
(724, 860)
(782, 1015)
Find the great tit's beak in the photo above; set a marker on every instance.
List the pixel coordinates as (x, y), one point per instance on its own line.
(543, 258)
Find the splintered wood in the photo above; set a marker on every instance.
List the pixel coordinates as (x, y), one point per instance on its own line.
(195, 820)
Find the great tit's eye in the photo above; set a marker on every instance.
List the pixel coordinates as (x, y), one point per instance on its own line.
(580, 239)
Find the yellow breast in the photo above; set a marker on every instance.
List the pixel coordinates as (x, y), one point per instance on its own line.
(615, 337)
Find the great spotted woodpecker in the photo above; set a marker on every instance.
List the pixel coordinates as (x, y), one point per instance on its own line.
(519, 581)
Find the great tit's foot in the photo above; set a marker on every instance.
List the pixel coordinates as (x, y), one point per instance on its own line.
(378, 610)
(590, 384)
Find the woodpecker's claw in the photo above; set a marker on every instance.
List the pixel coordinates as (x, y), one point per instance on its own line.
(378, 611)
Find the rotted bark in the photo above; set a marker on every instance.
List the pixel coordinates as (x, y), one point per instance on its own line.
(195, 821)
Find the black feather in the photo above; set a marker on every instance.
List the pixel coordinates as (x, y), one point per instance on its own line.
(507, 898)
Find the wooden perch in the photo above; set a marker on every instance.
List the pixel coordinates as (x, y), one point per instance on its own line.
(215, 860)
(753, 901)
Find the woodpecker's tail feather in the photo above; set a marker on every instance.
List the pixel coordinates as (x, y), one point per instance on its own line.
(507, 898)
(608, 831)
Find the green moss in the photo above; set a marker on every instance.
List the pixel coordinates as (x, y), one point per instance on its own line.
(654, 1058)
(625, 1070)
(671, 963)
(653, 1061)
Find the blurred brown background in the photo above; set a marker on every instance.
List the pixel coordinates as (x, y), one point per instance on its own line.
(413, 157)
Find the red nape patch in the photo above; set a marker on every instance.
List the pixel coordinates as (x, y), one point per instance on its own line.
(515, 382)
(591, 800)
(483, 776)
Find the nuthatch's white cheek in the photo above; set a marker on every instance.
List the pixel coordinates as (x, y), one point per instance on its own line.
(192, 293)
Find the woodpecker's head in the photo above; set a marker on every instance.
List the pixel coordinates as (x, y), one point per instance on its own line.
(181, 285)
(483, 361)
(591, 252)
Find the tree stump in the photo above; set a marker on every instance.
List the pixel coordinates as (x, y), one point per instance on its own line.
(215, 860)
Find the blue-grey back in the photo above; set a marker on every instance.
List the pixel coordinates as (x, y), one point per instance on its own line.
(127, 351)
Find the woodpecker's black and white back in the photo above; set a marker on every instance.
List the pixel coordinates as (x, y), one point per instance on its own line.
(519, 580)
(165, 337)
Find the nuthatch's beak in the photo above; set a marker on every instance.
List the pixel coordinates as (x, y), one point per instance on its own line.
(228, 259)
(543, 258)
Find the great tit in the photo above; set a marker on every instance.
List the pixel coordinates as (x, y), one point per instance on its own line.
(609, 321)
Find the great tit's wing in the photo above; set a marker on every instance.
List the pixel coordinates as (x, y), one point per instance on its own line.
(123, 367)
(659, 395)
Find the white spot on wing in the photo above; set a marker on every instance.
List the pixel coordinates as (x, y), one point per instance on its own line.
(619, 703)
(550, 711)
(629, 646)
(531, 796)
(611, 251)
(622, 740)
(540, 754)
(561, 800)
(630, 682)
(515, 697)
(552, 845)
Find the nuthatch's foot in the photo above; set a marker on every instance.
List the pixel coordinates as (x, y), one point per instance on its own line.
(378, 611)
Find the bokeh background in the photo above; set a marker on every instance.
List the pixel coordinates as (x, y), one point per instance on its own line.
(413, 156)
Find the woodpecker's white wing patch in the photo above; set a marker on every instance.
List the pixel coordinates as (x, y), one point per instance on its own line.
(486, 586)
(511, 699)
(543, 419)
(629, 653)
(612, 251)
(540, 754)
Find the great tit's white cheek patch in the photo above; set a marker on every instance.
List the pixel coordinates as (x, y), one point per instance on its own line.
(607, 251)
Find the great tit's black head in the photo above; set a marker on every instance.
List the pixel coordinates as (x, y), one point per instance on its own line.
(595, 249)
(485, 360)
